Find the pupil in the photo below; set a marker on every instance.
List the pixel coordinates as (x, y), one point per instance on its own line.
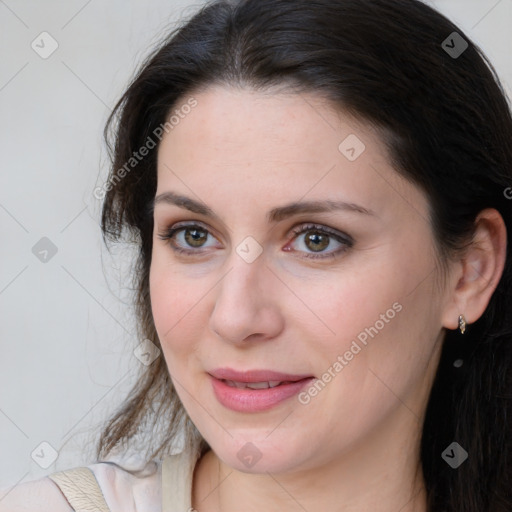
(318, 238)
(195, 234)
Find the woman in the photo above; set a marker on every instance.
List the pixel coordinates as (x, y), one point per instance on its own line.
(320, 191)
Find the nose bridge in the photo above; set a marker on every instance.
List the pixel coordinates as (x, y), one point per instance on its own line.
(240, 283)
(244, 304)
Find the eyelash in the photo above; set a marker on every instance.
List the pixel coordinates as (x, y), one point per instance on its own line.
(344, 239)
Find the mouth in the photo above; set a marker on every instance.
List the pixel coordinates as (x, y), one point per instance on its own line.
(259, 377)
(255, 390)
(256, 385)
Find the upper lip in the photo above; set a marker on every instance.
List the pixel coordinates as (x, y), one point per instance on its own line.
(255, 375)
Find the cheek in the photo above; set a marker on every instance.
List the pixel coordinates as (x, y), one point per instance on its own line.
(352, 306)
(379, 320)
(176, 307)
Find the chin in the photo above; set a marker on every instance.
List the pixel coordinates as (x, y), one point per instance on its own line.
(261, 455)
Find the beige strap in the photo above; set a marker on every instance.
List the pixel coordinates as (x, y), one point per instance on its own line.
(81, 489)
(177, 472)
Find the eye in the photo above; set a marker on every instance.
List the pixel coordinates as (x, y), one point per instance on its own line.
(191, 235)
(319, 238)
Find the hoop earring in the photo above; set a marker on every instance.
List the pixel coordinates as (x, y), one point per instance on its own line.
(462, 324)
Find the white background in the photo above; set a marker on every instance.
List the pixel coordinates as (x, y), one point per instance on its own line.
(66, 353)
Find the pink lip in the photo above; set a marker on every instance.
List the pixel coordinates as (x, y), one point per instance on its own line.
(255, 400)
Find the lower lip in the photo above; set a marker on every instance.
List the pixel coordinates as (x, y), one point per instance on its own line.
(255, 400)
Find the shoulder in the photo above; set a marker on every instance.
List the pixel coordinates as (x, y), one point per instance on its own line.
(126, 490)
(124, 486)
(41, 495)
(123, 490)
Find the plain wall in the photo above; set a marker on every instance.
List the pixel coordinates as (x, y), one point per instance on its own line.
(66, 328)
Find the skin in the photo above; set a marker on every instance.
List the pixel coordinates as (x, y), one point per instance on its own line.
(355, 445)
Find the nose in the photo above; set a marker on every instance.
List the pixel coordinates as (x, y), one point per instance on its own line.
(247, 302)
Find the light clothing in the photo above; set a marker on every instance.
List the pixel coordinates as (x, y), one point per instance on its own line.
(105, 487)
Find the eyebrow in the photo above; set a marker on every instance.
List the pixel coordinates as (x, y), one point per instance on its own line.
(275, 215)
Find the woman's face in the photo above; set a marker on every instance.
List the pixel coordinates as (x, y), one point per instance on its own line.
(345, 295)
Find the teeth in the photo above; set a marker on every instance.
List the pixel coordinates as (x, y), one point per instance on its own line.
(253, 385)
(234, 384)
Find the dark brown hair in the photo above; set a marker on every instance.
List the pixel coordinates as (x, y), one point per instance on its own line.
(449, 131)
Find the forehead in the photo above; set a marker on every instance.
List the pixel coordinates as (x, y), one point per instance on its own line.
(249, 120)
(239, 144)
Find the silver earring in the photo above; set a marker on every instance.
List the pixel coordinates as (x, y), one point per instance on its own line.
(462, 324)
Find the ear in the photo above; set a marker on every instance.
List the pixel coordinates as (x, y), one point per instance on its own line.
(478, 273)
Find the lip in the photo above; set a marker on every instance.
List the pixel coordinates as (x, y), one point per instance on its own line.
(255, 400)
(255, 375)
